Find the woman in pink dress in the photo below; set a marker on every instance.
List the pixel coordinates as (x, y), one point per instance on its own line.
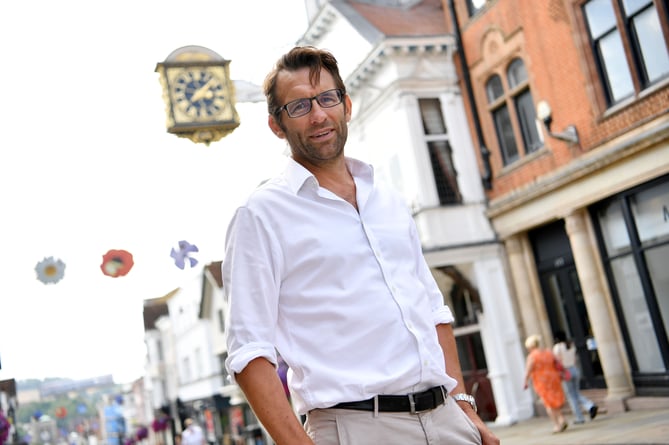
(540, 367)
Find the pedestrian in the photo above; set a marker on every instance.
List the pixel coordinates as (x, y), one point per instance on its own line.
(193, 434)
(324, 265)
(565, 351)
(542, 369)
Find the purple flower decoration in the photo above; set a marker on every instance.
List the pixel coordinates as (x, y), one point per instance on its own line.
(282, 370)
(183, 254)
(4, 428)
(142, 433)
(159, 424)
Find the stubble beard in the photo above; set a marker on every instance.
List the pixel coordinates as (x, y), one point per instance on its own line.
(319, 154)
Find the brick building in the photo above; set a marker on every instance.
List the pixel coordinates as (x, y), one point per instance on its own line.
(568, 102)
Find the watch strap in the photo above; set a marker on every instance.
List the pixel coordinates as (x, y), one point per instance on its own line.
(462, 397)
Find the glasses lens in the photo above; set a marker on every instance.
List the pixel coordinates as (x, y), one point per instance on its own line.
(329, 98)
(298, 107)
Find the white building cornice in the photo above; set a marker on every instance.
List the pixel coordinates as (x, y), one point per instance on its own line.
(393, 47)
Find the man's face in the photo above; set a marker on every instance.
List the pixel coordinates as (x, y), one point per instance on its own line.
(319, 136)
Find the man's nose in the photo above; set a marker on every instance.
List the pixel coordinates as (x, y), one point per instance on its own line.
(317, 113)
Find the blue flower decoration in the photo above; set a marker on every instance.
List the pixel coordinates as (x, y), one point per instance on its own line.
(184, 254)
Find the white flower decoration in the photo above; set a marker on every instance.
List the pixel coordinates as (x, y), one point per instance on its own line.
(50, 270)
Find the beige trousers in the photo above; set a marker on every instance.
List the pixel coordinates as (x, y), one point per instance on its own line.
(445, 425)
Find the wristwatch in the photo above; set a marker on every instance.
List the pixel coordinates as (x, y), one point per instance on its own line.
(462, 397)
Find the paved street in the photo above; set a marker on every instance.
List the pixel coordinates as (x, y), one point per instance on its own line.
(632, 427)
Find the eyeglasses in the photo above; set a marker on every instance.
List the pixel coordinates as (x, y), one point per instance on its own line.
(300, 107)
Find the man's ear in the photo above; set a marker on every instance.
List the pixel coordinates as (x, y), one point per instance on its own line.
(275, 127)
(347, 102)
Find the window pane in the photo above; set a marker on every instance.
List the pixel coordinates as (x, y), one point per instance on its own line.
(494, 88)
(651, 214)
(444, 172)
(433, 119)
(637, 318)
(507, 141)
(600, 16)
(657, 260)
(516, 73)
(614, 230)
(614, 64)
(632, 6)
(651, 43)
(527, 119)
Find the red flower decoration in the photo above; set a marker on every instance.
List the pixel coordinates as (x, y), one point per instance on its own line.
(116, 263)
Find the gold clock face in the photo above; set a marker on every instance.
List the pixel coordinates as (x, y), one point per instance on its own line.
(200, 94)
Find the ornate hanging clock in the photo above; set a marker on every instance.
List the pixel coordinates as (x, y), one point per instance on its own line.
(199, 94)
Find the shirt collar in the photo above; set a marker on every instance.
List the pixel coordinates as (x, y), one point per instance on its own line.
(296, 175)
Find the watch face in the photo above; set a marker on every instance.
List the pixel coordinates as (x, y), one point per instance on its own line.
(201, 95)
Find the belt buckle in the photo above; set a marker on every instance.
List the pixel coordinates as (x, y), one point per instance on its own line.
(412, 404)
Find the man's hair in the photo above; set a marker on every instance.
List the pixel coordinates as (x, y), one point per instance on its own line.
(297, 58)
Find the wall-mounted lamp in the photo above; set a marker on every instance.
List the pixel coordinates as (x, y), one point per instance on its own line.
(545, 114)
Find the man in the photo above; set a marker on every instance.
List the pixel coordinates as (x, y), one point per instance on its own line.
(325, 266)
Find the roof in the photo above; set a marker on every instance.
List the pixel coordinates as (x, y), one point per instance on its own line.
(216, 272)
(156, 308)
(423, 19)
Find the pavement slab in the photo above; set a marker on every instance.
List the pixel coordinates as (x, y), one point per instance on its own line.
(639, 427)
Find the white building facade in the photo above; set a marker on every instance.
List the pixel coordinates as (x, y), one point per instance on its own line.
(410, 123)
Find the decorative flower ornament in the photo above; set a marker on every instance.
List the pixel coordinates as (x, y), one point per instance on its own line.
(159, 424)
(50, 270)
(4, 428)
(142, 433)
(282, 370)
(116, 263)
(183, 254)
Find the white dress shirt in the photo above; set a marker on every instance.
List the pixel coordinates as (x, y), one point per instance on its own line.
(345, 296)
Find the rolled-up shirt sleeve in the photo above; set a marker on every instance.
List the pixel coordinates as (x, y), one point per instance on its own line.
(443, 315)
(251, 289)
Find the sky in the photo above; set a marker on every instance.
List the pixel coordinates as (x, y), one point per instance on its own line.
(86, 165)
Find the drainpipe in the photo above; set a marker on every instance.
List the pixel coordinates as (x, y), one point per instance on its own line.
(485, 153)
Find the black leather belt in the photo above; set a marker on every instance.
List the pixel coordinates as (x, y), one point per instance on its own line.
(410, 403)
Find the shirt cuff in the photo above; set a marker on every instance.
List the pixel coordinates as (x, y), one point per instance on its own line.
(237, 361)
(443, 315)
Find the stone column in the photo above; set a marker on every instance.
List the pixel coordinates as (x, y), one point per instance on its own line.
(521, 281)
(600, 311)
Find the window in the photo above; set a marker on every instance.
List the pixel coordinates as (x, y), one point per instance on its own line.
(198, 362)
(439, 148)
(519, 99)
(633, 230)
(186, 371)
(221, 321)
(628, 45)
(224, 371)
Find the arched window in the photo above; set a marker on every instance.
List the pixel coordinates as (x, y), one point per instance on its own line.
(513, 112)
